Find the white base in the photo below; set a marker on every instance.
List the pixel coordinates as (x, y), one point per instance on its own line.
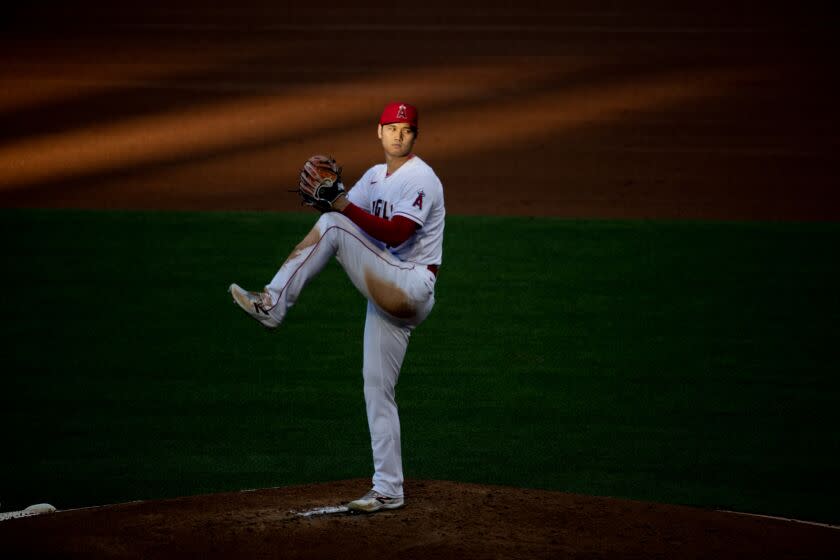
(322, 511)
(37, 509)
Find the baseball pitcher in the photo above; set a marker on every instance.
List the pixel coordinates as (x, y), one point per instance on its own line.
(387, 234)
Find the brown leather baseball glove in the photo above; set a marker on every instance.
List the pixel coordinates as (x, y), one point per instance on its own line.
(320, 183)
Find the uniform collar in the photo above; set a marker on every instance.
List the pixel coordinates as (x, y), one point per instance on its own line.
(411, 158)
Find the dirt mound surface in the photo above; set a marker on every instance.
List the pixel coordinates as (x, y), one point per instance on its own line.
(440, 520)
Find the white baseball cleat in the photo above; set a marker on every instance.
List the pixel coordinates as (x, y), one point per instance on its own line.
(255, 304)
(374, 501)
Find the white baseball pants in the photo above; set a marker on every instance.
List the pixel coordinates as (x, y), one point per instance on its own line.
(400, 296)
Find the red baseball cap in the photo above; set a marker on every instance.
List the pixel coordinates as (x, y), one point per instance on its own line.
(399, 113)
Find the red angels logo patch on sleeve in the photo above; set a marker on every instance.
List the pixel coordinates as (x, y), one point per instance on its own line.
(418, 202)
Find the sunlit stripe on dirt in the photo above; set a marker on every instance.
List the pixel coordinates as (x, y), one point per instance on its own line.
(205, 128)
(52, 74)
(450, 131)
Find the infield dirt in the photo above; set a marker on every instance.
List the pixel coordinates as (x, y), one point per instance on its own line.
(440, 520)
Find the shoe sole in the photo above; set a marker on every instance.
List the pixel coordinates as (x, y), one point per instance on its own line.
(362, 509)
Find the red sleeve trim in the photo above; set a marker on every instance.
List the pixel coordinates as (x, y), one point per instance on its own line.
(393, 232)
(416, 219)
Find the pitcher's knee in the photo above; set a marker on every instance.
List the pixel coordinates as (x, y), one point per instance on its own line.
(332, 225)
(330, 219)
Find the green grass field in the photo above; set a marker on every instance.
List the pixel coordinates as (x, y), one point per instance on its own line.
(680, 362)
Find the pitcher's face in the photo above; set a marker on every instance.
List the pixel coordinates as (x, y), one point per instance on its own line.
(397, 139)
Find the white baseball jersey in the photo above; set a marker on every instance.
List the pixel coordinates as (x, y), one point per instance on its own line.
(412, 191)
(400, 292)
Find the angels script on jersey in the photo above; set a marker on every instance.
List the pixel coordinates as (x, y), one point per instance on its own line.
(382, 208)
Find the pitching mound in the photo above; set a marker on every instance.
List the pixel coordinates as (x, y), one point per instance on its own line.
(440, 520)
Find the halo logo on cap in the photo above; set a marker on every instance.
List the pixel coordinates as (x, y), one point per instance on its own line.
(399, 113)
